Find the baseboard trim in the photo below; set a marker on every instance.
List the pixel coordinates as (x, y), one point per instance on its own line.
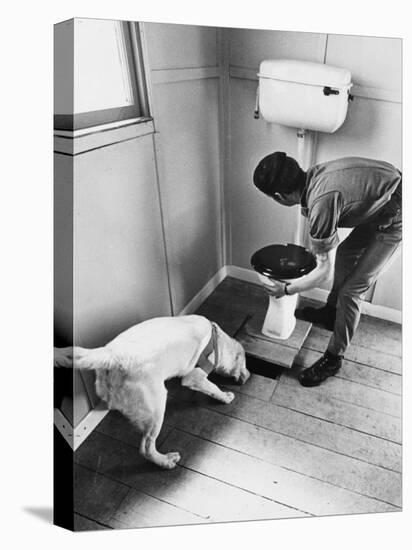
(374, 310)
(204, 292)
(76, 436)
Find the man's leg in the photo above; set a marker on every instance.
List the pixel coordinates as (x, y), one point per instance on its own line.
(366, 271)
(347, 255)
(370, 264)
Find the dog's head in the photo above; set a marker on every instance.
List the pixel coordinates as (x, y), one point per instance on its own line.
(231, 357)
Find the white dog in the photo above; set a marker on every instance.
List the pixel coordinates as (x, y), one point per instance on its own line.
(131, 370)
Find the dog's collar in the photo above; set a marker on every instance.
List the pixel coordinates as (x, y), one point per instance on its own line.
(203, 362)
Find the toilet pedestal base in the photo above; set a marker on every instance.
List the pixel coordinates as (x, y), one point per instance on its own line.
(280, 320)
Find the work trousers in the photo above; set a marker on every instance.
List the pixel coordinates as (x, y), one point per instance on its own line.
(360, 258)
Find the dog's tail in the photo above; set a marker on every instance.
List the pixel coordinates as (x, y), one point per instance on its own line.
(82, 358)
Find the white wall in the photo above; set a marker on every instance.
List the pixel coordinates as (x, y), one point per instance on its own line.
(183, 64)
(120, 275)
(374, 124)
(372, 129)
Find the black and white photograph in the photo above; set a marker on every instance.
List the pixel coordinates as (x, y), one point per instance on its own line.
(228, 292)
(205, 275)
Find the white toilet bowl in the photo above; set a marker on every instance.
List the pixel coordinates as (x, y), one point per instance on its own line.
(282, 263)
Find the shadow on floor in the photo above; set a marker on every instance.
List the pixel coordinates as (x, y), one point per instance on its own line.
(43, 513)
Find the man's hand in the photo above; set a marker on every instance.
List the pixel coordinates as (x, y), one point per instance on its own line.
(276, 288)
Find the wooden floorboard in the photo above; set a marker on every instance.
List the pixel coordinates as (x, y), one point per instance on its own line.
(352, 393)
(299, 425)
(355, 372)
(321, 405)
(117, 426)
(257, 386)
(141, 510)
(376, 356)
(190, 491)
(379, 334)
(228, 319)
(272, 352)
(262, 478)
(280, 352)
(82, 523)
(287, 452)
(96, 496)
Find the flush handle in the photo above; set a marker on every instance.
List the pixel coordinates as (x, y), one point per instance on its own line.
(327, 90)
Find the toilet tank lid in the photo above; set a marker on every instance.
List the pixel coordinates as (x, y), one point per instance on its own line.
(305, 72)
(283, 262)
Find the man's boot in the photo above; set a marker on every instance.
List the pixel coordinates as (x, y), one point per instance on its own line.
(326, 366)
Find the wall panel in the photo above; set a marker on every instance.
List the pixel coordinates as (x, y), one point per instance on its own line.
(255, 220)
(248, 47)
(120, 267)
(180, 46)
(185, 98)
(189, 181)
(374, 62)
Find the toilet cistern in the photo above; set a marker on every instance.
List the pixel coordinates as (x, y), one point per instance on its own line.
(282, 263)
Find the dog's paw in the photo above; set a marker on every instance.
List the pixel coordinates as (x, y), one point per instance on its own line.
(171, 459)
(228, 397)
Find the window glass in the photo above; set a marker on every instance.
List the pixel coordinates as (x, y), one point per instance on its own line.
(101, 72)
(96, 73)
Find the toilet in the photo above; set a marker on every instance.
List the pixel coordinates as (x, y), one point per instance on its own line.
(282, 263)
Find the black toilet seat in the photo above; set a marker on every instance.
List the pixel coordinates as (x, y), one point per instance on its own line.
(279, 261)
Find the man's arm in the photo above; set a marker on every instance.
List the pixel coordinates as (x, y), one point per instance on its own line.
(323, 272)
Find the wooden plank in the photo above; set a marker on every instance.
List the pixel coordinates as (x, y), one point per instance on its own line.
(119, 427)
(379, 334)
(240, 295)
(321, 405)
(351, 392)
(318, 340)
(96, 496)
(284, 451)
(257, 386)
(205, 497)
(279, 484)
(374, 358)
(326, 434)
(253, 327)
(82, 523)
(140, 510)
(362, 374)
(271, 352)
(228, 319)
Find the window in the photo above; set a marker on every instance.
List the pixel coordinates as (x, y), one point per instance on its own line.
(99, 75)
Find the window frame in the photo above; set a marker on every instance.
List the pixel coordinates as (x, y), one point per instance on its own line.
(140, 107)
